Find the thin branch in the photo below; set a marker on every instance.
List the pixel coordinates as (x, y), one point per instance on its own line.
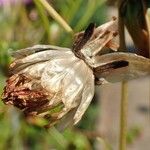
(124, 91)
(123, 115)
(44, 18)
(56, 16)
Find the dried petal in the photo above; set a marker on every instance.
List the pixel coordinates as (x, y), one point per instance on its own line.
(103, 36)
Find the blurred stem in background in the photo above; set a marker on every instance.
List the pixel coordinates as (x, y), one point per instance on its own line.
(90, 10)
(132, 15)
(56, 16)
(123, 116)
(124, 85)
(44, 18)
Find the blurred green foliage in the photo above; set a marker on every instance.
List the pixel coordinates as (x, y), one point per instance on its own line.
(133, 133)
(23, 25)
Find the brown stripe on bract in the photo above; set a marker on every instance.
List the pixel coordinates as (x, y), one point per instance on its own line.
(111, 66)
(82, 38)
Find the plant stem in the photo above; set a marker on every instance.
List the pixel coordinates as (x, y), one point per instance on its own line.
(56, 16)
(90, 9)
(44, 18)
(147, 16)
(58, 137)
(124, 88)
(123, 115)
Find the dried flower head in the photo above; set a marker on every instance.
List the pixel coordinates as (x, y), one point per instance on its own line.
(58, 83)
(50, 83)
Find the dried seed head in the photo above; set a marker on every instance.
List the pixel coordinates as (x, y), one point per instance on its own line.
(50, 83)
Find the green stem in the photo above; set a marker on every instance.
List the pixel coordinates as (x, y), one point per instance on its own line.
(124, 91)
(56, 16)
(91, 8)
(44, 18)
(58, 137)
(74, 9)
(123, 116)
(85, 18)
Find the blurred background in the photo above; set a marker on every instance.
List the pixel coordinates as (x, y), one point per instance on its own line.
(24, 23)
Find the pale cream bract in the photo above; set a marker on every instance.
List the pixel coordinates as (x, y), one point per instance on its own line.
(68, 78)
